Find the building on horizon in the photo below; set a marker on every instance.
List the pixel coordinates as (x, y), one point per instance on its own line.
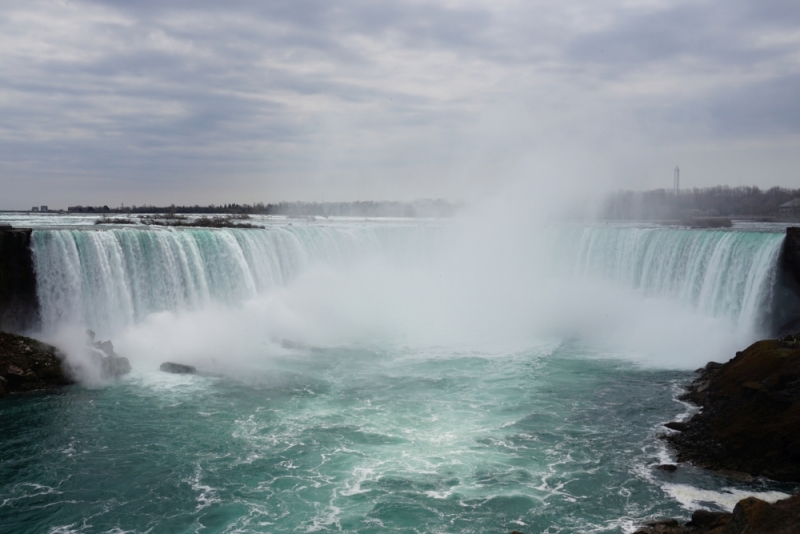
(790, 211)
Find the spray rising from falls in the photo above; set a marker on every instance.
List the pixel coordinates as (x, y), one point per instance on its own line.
(429, 286)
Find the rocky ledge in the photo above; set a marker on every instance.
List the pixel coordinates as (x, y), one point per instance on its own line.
(750, 417)
(749, 425)
(29, 365)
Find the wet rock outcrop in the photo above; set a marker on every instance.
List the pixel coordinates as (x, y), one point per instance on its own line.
(103, 356)
(790, 254)
(783, 315)
(750, 516)
(750, 417)
(29, 365)
(749, 424)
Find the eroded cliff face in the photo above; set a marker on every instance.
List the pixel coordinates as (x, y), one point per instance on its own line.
(785, 305)
(749, 425)
(19, 306)
(791, 252)
(750, 418)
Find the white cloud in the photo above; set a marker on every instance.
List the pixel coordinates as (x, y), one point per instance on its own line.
(190, 102)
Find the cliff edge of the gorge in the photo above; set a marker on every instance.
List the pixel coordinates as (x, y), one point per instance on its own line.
(19, 305)
(749, 423)
(750, 417)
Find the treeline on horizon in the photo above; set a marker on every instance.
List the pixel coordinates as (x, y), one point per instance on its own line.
(417, 208)
(719, 201)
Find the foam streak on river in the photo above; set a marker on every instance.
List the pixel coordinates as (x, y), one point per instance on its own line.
(361, 376)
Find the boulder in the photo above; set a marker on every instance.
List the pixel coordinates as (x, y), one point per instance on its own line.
(111, 367)
(177, 368)
(754, 515)
(110, 363)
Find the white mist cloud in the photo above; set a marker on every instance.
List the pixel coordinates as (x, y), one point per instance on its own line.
(494, 280)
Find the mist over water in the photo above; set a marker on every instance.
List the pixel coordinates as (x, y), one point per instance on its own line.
(501, 279)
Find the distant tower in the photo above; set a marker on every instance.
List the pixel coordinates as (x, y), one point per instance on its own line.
(676, 185)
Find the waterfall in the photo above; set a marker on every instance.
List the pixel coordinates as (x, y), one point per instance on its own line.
(105, 279)
(718, 273)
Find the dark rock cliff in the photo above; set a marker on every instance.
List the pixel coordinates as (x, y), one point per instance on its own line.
(750, 418)
(749, 424)
(790, 256)
(784, 312)
(19, 306)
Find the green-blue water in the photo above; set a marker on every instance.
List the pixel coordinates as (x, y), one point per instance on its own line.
(549, 440)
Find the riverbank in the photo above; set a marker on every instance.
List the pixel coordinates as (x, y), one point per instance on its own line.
(750, 516)
(182, 221)
(748, 426)
(750, 417)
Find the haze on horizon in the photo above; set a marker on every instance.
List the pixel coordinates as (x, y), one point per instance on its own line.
(103, 102)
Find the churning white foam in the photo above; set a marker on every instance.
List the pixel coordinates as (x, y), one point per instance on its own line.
(693, 498)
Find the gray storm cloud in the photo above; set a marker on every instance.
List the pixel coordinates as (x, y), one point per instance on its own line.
(211, 102)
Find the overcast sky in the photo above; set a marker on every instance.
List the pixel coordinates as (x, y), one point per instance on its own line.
(104, 102)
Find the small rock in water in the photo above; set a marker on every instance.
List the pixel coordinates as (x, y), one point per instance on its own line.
(670, 468)
(116, 366)
(177, 368)
(111, 365)
(676, 425)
